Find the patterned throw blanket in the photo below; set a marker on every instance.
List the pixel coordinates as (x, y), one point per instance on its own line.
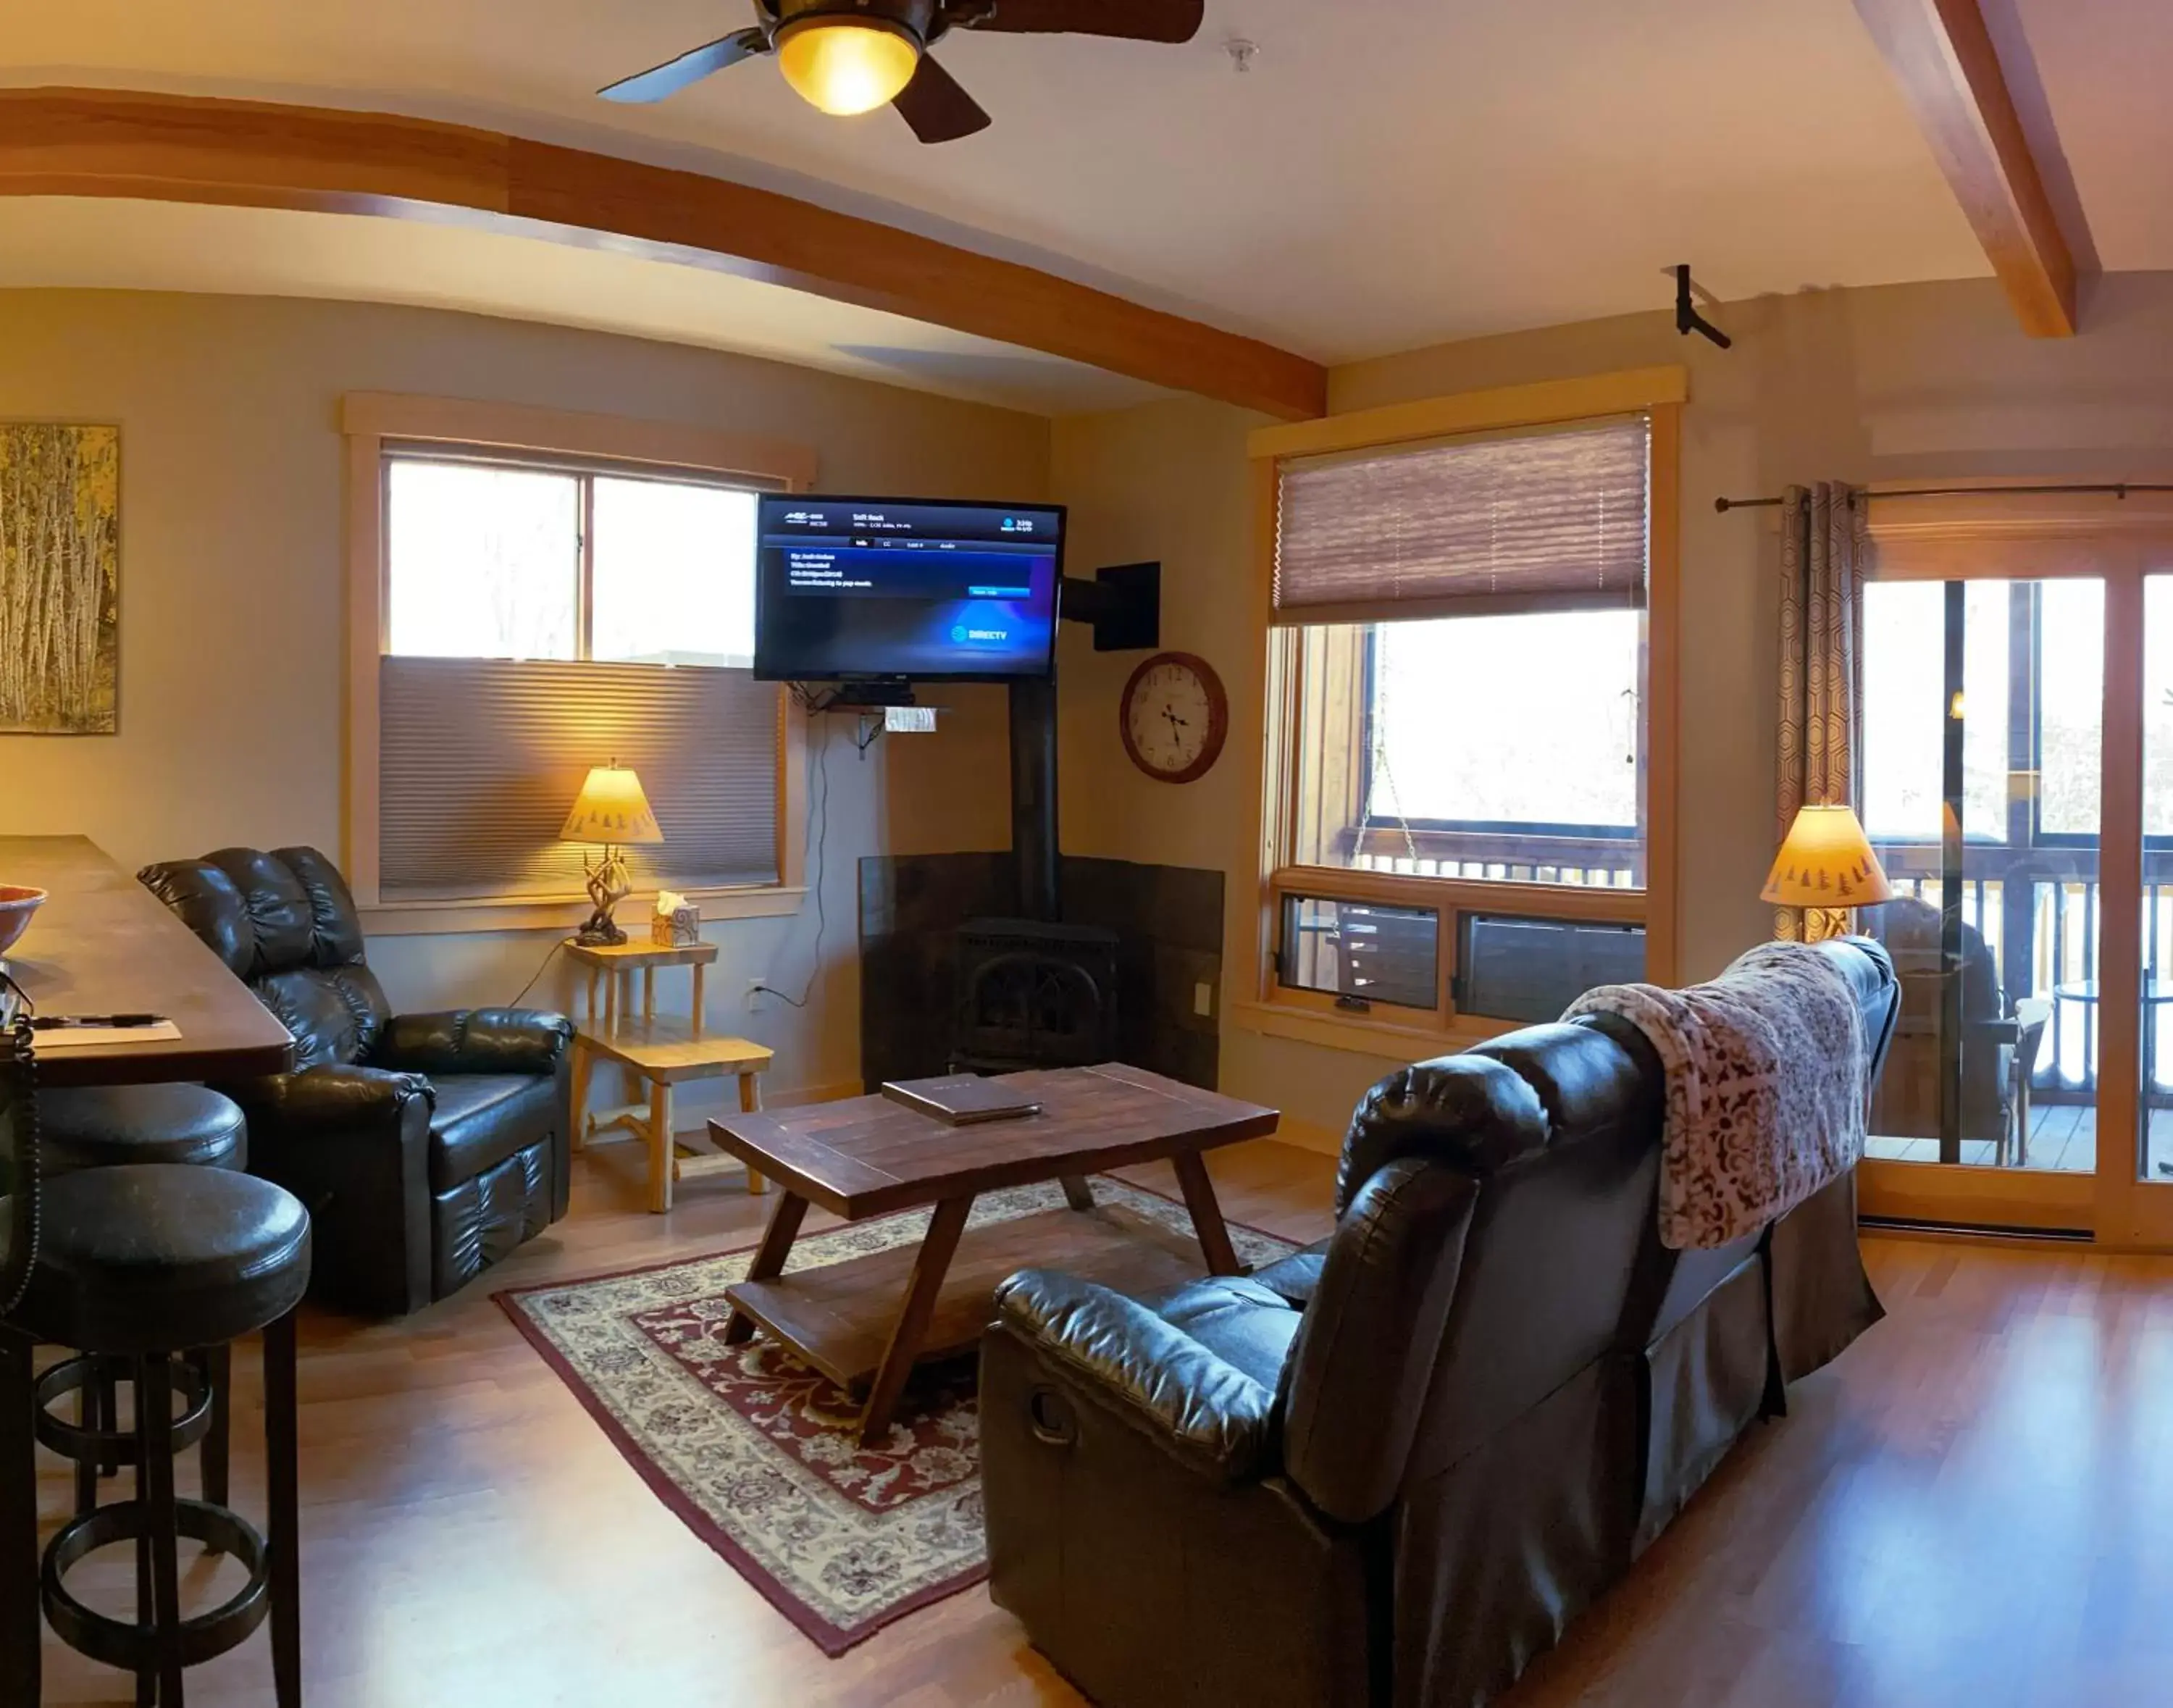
(1764, 1100)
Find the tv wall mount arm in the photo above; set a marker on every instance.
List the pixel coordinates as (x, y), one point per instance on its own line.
(1123, 604)
(1688, 319)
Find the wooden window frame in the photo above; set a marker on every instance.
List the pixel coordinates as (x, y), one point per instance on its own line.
(373, 422)
(1265, 1006)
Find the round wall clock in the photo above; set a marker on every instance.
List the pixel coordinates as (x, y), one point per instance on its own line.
(1173, 716)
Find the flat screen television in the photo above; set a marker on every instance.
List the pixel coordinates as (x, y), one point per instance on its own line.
(893, 591)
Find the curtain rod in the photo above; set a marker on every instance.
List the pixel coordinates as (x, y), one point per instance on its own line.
(2119, 489)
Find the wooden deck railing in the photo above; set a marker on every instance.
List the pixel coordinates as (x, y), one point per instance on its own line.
(2038, 909)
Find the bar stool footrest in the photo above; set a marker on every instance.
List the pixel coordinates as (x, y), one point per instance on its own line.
(134, 1648)
(112, 1446)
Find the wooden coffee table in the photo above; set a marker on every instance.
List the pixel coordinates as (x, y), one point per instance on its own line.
(868, 1320)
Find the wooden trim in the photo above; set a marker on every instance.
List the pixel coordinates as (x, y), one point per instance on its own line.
(2120, 1199)
(2035, 536)
(1392, 840)
(1587, 902)
(572, 432)
(563, 914)
(1994, 557)
(1543, 404)
(121, 143)
(1988, 530)
(1960, 1194)
(1661, 697)
(1366, 1035)
(1328, 717)
(1402, 1016)
(1941, 54)
(1268, 733)
(364, 499)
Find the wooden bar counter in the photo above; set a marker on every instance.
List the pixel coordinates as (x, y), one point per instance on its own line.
(103, 944)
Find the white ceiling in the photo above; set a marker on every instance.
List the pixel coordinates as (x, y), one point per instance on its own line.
(1391, 173)
(252, 251)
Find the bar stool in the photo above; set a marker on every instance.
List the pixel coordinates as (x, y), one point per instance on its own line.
(144, 1262)
(106, 1127)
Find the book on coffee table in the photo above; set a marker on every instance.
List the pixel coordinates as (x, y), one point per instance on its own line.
(960, 1099)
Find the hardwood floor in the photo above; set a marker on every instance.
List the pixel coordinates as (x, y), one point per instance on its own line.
(1975, 1505)
(470, 1537)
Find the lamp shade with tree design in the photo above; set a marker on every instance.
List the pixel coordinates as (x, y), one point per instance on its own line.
(1826, 867)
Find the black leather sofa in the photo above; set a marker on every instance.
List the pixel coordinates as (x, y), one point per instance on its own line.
(426, 1147)
(1392, 1469)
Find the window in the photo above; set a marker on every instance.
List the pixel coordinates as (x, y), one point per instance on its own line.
(490, 559)
(1553, 794)
(539, 611)
(1461, 748)
(1361, 951)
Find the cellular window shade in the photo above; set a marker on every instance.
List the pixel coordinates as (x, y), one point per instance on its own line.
(479, 760)
(1553, 521)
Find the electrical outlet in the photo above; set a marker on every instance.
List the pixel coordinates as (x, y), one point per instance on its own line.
(755, 992)
(1203, 1000)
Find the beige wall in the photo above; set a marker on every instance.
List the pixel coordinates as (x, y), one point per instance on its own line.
(1170, 482)
(232, 598)
(1919, 381)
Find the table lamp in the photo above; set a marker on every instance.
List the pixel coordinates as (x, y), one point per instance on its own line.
(612, 811)
(1826, 867)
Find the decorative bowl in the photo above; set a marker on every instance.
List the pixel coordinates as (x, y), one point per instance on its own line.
(17, 904)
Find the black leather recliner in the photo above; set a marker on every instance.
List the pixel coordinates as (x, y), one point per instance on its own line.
(426, 1147)
(1392, 1469)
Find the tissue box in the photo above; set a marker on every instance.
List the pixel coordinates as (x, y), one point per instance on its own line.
(676, 923)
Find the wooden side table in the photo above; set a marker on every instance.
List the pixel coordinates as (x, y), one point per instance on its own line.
(663, 1053)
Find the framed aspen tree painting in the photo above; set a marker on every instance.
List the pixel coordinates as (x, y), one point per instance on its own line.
(60, 579)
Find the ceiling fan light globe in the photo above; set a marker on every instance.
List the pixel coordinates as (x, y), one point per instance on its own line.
(844, 66)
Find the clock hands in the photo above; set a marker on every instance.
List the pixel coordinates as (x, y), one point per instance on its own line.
(1172, 715)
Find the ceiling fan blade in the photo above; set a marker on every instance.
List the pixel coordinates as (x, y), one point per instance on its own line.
(937, 107)
(1135, 20)
(674, 74)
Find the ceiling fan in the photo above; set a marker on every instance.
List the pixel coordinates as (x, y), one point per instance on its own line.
(852, 56)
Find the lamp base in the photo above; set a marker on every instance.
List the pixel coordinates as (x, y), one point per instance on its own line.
(608, 885)
(1821, 924)
(599, 933)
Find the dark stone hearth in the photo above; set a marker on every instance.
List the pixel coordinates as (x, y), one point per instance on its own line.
(1166, 921)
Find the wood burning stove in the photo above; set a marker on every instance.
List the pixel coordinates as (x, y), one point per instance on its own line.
(1033, 993)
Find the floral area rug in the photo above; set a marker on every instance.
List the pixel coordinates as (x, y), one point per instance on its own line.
(758, 1453)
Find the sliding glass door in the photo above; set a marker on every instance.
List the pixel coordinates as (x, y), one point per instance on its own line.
(1983, 728)
(2016, 782)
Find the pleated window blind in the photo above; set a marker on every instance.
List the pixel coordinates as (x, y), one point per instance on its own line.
(479, 759)
(1539, 521)
(543, 617)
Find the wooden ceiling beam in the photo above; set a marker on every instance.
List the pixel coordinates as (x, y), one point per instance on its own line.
(1942, 55)
(56, 142)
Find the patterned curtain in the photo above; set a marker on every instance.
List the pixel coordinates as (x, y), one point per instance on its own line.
(1821, 663)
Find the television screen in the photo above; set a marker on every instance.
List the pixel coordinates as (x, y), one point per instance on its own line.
(864, 589)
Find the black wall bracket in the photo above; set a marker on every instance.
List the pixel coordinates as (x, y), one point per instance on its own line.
(1123, 603)
(1688, 319)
